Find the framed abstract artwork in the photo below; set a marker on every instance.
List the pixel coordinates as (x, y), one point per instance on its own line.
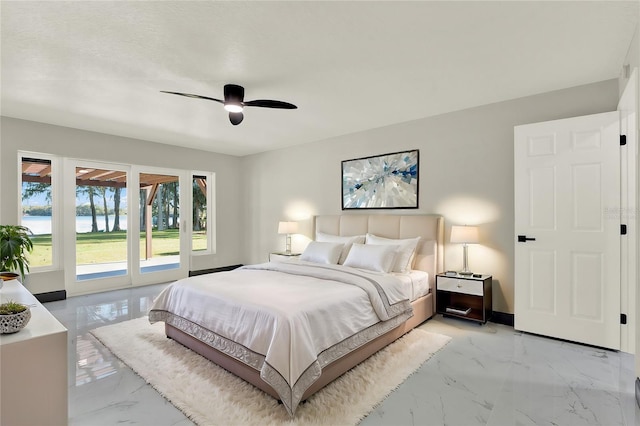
(388, 181)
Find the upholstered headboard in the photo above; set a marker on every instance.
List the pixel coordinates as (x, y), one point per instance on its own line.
(430, 251)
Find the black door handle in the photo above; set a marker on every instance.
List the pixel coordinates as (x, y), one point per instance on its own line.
(524, 239)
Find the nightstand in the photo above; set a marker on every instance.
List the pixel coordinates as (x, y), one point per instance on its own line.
(464, 296)
(283, 257)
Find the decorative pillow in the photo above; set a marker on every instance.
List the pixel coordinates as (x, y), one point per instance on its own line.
(319, 252)
(405, 249)
(373, 257)
(346, 241)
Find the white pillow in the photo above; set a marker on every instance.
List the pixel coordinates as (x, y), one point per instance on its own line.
(346, 241)
(405, 249)
(319, 252)
(373, 257)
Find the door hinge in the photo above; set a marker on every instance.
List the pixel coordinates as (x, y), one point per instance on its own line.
(623, 140)
(623, 229)
(623, 318)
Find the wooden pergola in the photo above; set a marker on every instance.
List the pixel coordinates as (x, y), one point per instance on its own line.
(39, 171)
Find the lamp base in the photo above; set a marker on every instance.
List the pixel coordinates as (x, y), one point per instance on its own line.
(465, 261)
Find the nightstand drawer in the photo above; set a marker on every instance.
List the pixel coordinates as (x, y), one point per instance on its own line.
(460, 285)
(284, 257)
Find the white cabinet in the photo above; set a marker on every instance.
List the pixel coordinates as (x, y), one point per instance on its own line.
(33, 366)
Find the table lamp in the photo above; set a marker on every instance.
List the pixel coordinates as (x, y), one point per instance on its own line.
(287, 228)
(465, 235)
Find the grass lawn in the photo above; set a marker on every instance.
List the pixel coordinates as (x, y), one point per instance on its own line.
(104, 247)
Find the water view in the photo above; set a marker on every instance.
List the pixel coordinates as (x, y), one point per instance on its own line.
(40, 225)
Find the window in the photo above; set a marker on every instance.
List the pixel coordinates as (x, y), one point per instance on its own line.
(38, 212)
(202, 220)
(99, 200)
(199, 234)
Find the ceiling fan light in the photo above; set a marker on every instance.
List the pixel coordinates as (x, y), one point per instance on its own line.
(233, 107)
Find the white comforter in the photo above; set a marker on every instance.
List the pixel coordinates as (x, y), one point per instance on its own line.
(294, 317)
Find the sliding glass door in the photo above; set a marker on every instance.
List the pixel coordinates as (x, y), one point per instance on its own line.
(124, 225)
(159, 222)
(97, 249)
(162, 219)
(100, 222)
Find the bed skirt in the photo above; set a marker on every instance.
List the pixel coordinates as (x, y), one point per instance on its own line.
(423, 309)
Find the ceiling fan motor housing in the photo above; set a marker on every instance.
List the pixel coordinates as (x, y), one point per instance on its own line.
(233, 94)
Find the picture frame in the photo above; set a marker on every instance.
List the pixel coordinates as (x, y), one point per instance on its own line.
(386, 181)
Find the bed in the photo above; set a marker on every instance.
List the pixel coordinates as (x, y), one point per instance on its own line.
(290, 328)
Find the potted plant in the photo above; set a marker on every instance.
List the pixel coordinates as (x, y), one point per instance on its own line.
(13, 317)
(15, 244)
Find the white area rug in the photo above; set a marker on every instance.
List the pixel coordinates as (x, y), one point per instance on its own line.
(209, 395)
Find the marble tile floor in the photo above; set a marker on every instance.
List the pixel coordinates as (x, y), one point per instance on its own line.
(487, 375)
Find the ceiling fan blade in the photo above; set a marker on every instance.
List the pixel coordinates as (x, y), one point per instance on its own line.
(234, 101)
(236, 118)
(267, 103)
(189, 95)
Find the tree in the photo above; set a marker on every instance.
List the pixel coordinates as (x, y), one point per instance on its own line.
(160, 201)
(143, 207)
(116, 209)
(90, 191)
(199, 206)
(176, 205)
(102, 190)
(94, 217)
(29, 189)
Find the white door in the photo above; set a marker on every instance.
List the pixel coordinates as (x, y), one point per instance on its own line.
(567, 216)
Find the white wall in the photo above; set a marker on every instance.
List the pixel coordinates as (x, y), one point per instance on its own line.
(632, 59)
(466, 174)
(24, 135)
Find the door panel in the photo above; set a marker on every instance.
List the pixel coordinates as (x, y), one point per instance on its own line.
(587, 209)
(587, 285)
(101, 237)
(542, 207)
(160, 236)
(542, 266)
(96, 234)
(162, 226)
(567, 175)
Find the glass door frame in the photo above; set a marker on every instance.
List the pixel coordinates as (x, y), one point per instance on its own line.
(92, 285)
(137, 277)
(133, 276)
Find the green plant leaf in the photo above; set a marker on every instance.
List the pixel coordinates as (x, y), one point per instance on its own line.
(15, 244)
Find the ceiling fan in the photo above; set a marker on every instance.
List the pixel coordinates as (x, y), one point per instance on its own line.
(234, 102)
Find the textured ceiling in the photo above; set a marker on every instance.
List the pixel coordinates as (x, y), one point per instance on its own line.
(348, 66)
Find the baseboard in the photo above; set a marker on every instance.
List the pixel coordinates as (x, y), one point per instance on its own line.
(502, 318)
(212, 270)
(51, 296)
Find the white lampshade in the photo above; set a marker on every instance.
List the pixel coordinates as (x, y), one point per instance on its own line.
(464, 234)
(287, 227)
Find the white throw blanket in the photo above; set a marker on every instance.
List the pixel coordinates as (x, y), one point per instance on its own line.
(287, 320)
